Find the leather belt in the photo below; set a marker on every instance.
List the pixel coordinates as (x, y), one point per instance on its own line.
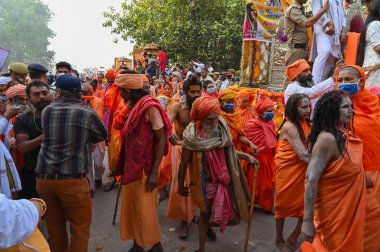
(300, 46)
(60, 176)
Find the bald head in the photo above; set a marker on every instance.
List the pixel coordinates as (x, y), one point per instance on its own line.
(350, 75)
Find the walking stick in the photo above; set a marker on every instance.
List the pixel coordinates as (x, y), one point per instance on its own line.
(117, 204)
(251, 210)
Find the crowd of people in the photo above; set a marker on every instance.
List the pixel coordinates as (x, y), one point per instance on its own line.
(204, 136)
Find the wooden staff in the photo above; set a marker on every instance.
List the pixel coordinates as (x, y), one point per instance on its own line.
(117, 204)
(251, 210)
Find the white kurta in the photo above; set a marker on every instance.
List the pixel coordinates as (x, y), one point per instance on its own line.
(326, 48)
(313, 92)
(5, 127)
(371, 57)
(19, 219)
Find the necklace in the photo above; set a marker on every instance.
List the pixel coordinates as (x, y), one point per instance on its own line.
(35, 124)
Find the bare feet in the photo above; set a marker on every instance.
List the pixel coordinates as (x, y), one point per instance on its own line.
(184, 230)
(156, 248)
(281, 245)
(109, 186)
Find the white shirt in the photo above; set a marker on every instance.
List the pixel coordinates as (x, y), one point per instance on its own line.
(19, 219)
(372, 39)
(207, 78)
(198, 67)
(313, 92)
(225, 84)
(210, 69)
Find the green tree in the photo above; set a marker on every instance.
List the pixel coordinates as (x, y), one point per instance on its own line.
(24, 30)
(208, 30)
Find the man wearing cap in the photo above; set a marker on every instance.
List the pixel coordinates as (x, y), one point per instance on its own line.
(18, 72)
(38, 72)
(144, 141)
(302, 82)
(295, 27)
(70, 131)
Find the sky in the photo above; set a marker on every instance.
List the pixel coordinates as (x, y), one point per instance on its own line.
(80, 37)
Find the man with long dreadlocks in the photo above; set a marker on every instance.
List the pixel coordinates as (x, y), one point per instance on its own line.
(335, 197)
(352, 80)
(291, 161)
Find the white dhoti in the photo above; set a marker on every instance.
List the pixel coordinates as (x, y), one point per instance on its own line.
(96, 169)
(324, 62)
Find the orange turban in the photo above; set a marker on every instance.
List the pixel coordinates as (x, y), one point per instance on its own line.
(360, 70)
(145, 79)
(111, 74)
(16, 90)
(203, 106)
(263, 104)
(227, 94)
(244, 93)
(129, 81)
(295, 69)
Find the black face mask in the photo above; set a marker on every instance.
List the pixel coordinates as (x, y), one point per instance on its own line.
(306, 80)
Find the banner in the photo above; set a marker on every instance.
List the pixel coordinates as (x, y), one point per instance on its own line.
(261, 21)
(3, 56)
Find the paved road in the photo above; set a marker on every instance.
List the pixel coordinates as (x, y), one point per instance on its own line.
(105, 236)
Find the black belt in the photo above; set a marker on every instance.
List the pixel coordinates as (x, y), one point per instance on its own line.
(300, 46)
(60, 176)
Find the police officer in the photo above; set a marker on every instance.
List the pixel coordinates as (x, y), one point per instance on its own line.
(38, 72)
(295, 27)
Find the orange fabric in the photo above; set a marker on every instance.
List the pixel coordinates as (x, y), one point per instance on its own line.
(307, 247)
(111, 74)
(203, 106)
(264, 186)
(162, 92)
(165, 169)
(372, 214)
(263, 105)
(352, 48)
(339, 210)
(295, 69)
(234, 122)
(130, 81)
(36, 240)
(246, 115)
(138, 215)
(112, 98)
(227, 94)
(262, 134)
(96, 103)
(16, 90)
(290, 179)
(177, 96)
(246, 93)
(179, 207)
(120, 116)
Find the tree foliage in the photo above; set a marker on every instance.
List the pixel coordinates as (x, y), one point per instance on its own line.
(24, 30)
(208, 30)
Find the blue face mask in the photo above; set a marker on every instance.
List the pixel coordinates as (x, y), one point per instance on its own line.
(181, 93)
(211, 91)
(349, 88)
(268, 116)
(228, 106)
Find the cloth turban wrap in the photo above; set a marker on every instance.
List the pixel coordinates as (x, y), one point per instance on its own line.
(227, 94)
(130, 81)
(263, 105)
(16, 90)
(358, 68)
(111, 74)
(145, 79)
(203, 106)
(295, 69)
(244, 93)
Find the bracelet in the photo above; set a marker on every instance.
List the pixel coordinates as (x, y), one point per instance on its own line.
(42, 204)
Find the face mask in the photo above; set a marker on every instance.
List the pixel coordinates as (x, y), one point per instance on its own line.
(349, 88)
(211, 91)
(228, 107)
(181, 93)
(268, 116)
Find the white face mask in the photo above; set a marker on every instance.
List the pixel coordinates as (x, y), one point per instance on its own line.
(211, 90)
